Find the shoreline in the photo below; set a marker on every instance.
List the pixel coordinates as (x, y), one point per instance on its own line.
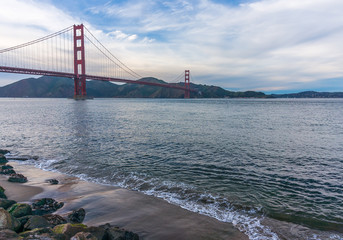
(149, 217)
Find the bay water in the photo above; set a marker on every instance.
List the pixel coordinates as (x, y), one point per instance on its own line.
(236, 160)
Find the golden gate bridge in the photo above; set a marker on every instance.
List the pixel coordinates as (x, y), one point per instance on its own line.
(64, 54)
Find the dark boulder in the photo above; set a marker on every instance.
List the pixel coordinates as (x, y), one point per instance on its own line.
(45, 206)
(7, 171)
(69, 230)
(23, 221)
(52, 181)
(36, 222)
(9, 235)
(2, 193)
(7, 221)
(41, 234)
(54, 219)
(3, 159)
(20, 210)
(4, 203)
(22, 158)
(19, 178)
(84, 236)
(116, 233)
(98, 232)
(6, 167)
(4, 151)
(18, 158)
(77, 216)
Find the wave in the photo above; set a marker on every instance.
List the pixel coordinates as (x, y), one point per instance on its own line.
(248, 221)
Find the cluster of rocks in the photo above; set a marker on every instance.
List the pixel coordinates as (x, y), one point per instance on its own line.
(46, 206)
(18, 221)
(36, 220)
(8, 169)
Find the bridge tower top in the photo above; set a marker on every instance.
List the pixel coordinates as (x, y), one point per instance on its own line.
(187, 83)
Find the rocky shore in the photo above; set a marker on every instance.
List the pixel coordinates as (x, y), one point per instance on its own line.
(110, 212)
(38, 220)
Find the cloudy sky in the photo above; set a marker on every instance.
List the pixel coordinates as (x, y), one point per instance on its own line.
(265, 45)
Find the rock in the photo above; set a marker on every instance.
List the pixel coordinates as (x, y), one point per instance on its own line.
(9, 235)
(23, 158)
(3, 159)
(83, 236)
(69, 230)
(52, 181)
(2, 193)
(7, 171)
(97, 232)
(35, 232)
(20, 209)
(36, 222)
(55, 219)
(4, 203)
(23, 221)
(41, 234)
(115, 233)
(46, 205)
(6, 167)
(7, 221)
(4, 151)
(77, 216)
(17, 178)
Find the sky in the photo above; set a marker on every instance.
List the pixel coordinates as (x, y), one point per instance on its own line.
(273, 46)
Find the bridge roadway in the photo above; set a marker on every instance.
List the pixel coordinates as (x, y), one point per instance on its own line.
(90, 77)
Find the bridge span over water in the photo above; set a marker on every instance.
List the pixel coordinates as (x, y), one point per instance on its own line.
(75, 53)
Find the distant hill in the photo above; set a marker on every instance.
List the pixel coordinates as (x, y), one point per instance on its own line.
(56, 87)
(310, 94)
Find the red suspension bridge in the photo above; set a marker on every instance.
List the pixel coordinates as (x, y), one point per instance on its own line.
(64, 54)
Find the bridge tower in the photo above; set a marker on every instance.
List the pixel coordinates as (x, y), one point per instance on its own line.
(187, 84)
(79, 63)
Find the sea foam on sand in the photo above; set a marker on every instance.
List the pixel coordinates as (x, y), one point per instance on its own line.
(149, 217)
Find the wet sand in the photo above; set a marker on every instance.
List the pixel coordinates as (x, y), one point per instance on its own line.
(150, 217)
(19, 192)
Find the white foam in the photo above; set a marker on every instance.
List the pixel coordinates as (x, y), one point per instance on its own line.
(248, 222)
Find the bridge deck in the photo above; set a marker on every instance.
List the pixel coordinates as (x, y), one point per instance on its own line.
(90, 77)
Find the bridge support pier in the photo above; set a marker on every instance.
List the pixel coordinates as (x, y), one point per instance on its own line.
(80, 89)
(187, 84)
(79, 63)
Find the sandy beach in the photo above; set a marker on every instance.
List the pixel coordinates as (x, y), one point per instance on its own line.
(149, 217)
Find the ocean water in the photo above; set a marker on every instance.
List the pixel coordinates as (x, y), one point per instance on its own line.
(243, 161)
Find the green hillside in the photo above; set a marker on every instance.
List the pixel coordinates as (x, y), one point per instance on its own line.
(57, 87)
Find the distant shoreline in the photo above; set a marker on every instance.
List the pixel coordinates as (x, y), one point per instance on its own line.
(58, 87)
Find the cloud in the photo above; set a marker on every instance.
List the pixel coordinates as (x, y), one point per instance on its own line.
(265, 44)
(267, 41)
(27, 20)
(122, 36)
